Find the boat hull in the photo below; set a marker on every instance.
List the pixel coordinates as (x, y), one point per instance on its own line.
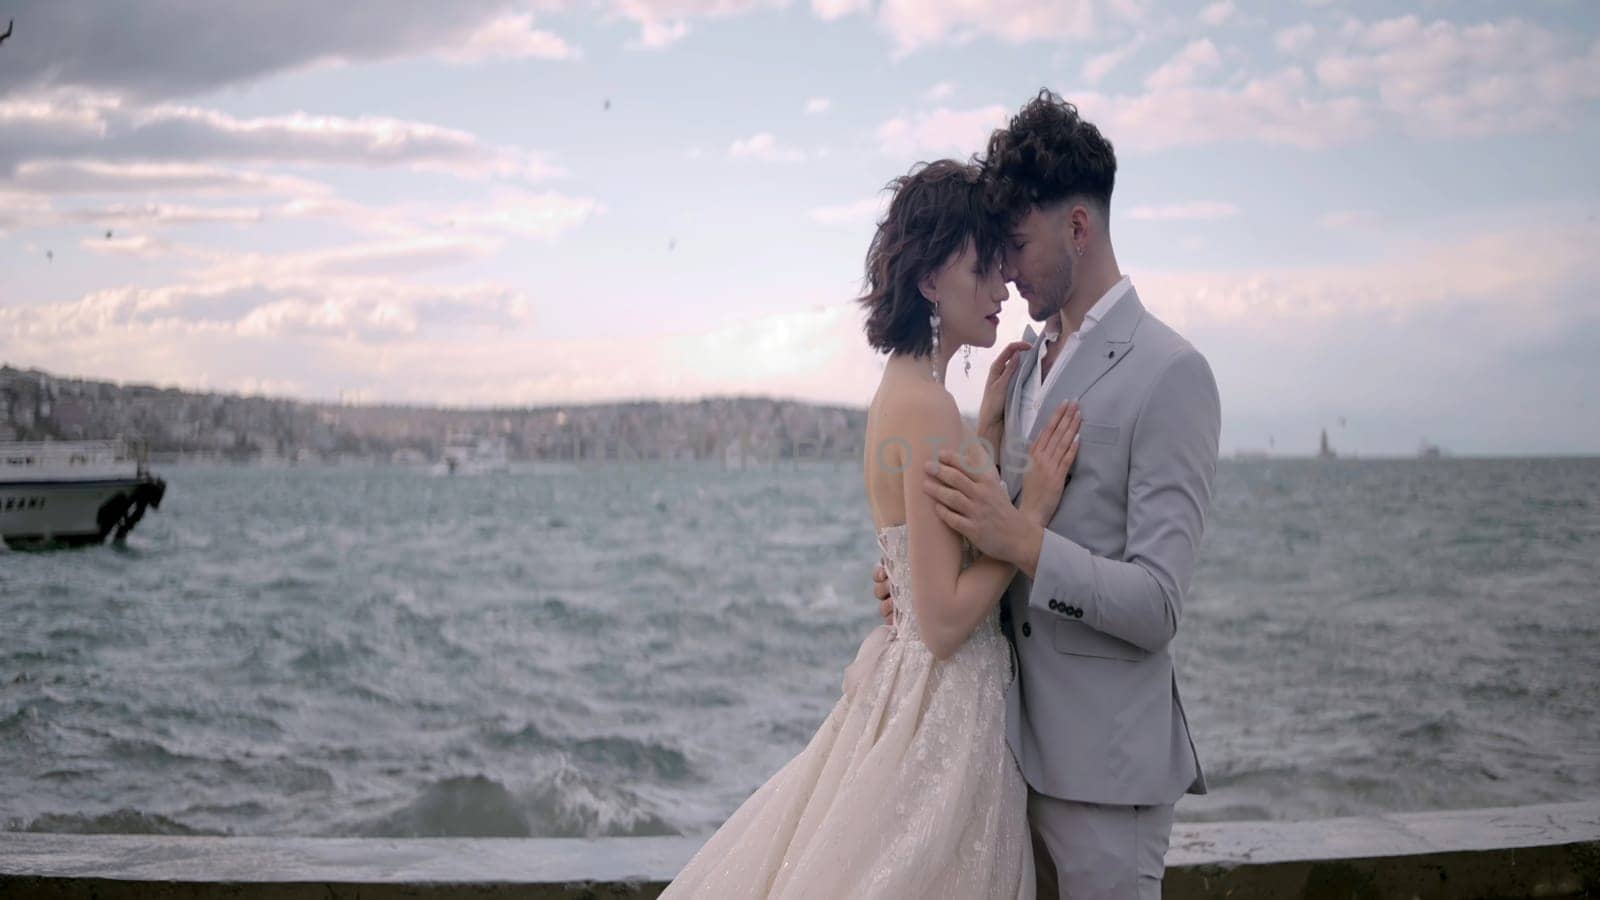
(45, 513)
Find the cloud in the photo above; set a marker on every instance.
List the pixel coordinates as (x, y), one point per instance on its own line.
(938, 92)
(665, 22)
(141, 246)
(817, 105)
(510, 36)
(504, 215)
(121, 214)
(654, 35)
(407, 343)
(541, 216)
(828, 10)
(1205, 210)
(1349, 218)
(392, 257)
(19, 209)
(355, 309)
(1442, 79)
(914, 24)
(26, 211)
(859, 212)
(92, 177)
(64, 124)
(1271, 109)
(172, 48)
(1419, 342)
(1432, 80)
(959, 133)
(1218, 13)
(1100, 65)
(1195, 58)
(1295, 38)
(65, 115)
(1399, 340)
(1536, 265)
(764, 147)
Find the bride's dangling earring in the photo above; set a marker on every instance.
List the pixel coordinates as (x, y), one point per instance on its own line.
(966, 361)
(933, 361)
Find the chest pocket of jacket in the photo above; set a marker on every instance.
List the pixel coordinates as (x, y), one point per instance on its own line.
(1097, 433)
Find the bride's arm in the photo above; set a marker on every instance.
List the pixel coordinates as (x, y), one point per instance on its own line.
(949, 602)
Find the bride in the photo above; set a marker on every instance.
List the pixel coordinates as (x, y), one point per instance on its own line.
(908, 789)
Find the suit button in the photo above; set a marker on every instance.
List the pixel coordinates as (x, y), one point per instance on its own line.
(1027, 629)
(1054, 606)
(1078, 613)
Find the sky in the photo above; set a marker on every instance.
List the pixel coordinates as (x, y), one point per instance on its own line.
(1378, 219)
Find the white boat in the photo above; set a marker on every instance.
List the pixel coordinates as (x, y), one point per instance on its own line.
(73, 492)
(474, 456)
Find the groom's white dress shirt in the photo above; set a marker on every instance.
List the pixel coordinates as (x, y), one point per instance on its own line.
(1035, 387)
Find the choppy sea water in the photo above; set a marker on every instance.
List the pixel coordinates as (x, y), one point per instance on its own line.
(629, 650)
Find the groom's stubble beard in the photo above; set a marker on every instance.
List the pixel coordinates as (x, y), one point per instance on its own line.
(1056, 290)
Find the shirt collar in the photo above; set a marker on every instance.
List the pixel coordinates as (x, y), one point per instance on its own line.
(1052, 328)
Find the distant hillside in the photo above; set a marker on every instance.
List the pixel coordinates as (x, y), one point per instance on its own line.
(36, 405)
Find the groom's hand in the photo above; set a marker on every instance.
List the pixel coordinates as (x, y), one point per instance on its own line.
(975, 503)
(880, 589)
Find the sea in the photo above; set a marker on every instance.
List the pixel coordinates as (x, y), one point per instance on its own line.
(631, 649)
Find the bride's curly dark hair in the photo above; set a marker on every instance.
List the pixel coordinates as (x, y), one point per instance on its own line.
(936, 209)
(1048, 153)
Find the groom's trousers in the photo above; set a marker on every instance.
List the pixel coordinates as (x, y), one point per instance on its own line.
(1094, 851)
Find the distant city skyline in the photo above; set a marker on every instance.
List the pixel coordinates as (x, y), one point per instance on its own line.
(1370, 213)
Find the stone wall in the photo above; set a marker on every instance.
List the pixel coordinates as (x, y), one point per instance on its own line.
(1550, 851)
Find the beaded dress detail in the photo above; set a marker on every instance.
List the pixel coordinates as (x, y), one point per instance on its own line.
(907, 790)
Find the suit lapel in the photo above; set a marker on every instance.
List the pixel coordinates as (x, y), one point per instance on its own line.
(1101, 351)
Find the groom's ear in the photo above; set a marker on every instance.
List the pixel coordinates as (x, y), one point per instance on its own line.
(1084, 220)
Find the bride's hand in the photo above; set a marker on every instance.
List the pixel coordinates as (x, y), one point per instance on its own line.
(1049, 460)
(992, 411)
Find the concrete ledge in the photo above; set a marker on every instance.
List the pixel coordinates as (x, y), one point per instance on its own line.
(1529, 851)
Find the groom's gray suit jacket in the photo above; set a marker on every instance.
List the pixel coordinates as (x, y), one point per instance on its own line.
(1094, 714)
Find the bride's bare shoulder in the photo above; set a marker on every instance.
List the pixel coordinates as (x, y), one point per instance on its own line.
(913, 410)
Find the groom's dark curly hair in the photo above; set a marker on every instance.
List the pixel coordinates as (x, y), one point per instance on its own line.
(936, 209)
(1046, 154)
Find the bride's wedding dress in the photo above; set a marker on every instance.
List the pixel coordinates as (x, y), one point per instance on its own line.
(906, 792)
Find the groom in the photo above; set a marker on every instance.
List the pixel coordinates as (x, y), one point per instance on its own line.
(1093, 717)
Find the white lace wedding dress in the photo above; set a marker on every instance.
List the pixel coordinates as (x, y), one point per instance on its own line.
(906, 792)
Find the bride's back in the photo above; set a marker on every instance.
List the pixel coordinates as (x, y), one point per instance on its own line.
(887, 449)
(897, 421)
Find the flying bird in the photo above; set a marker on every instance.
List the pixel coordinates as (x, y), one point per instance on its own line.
(108, 234)
(9, 25)
(607, 105)
(672, 244)
(50, 255)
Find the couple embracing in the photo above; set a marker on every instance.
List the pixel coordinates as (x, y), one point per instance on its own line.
(1014, 729)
